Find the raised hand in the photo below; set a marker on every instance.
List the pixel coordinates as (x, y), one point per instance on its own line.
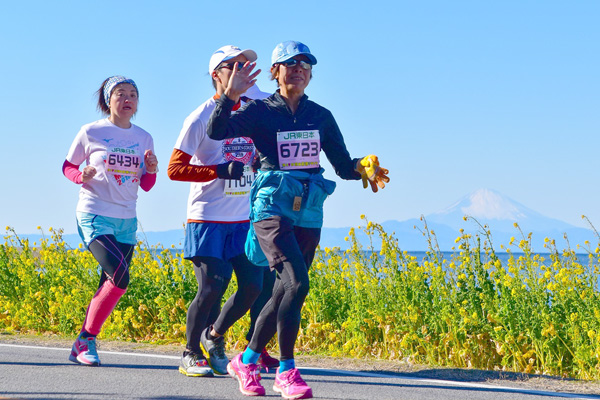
(241, 80)
(371, 173)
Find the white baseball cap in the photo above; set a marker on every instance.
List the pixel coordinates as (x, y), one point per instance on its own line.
(227, 53)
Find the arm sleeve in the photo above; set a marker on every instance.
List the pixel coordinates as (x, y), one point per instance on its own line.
(223, 125)
(147, 181)
(72, 172)
(180, 169)
(336, 152)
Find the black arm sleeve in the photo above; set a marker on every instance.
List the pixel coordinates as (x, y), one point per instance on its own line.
(223, 125)
(336, 152)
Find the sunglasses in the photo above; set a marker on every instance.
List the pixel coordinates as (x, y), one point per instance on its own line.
(230, 65)
(293, 62)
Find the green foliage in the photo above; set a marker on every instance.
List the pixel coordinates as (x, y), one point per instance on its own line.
(533, 313)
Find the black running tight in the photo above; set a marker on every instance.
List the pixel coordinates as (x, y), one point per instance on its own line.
(114, 258)
(205, 307)
(295, 247)
(250, 283)
(262, 299)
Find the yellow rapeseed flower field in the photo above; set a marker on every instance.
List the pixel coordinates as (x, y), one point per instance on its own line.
(532, 313)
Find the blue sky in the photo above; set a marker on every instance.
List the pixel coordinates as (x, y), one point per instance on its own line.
(452, 96)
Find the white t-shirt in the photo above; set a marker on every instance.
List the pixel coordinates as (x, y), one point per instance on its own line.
(220, 200)
(118, 156)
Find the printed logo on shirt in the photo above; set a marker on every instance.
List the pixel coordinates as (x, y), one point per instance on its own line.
(238, 149)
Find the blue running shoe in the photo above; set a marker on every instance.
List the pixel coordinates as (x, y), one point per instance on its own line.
(84, 351)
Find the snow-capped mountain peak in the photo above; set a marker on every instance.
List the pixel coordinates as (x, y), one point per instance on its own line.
(489, 204)
(493, 208)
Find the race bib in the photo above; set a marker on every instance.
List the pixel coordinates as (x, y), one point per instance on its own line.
(241, 187)
(122, 161)
(298, 149)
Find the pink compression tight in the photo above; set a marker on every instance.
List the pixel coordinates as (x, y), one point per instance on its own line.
(102, 304)
(114, 258)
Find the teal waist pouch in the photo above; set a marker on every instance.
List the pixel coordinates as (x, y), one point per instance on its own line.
(296, 195)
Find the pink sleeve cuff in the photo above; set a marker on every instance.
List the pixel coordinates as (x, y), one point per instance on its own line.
(72, 172)
(147, 181)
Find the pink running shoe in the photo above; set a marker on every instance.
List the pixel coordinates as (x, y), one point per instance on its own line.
(291, 385)
(84, 351)
(248, 376)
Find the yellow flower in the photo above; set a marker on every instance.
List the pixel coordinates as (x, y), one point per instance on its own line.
(574, 317)
(591, 333)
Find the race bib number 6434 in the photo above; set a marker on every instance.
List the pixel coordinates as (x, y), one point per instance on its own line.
(120, 161)
(298, 149)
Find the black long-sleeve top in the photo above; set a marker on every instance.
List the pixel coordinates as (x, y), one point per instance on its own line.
(262, 119)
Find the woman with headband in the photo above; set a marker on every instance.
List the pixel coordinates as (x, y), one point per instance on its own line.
(119, 158)
(289, 131)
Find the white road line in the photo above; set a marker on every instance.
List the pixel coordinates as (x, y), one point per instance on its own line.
(99, 351)
(359, 374)
(458, 383)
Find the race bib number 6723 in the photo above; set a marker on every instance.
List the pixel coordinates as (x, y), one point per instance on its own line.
(298, 149)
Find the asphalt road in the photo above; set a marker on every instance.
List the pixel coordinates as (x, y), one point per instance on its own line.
(35, 372)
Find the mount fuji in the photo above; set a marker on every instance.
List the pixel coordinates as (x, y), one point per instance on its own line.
(498, 212)
(488, 207)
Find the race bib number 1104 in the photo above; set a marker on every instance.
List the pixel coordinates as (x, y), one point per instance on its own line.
(298, 149)
(240, 187)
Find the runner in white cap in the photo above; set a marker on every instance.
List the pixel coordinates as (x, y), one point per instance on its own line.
(220, 173)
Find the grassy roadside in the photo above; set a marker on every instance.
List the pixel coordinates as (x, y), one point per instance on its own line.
(500, 378)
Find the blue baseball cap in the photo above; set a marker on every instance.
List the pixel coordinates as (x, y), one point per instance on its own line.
(286, 50)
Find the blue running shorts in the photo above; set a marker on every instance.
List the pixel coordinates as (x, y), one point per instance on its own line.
(211, 239)
(90, 226)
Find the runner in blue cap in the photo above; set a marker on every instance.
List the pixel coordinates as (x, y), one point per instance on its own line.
(289, 132)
